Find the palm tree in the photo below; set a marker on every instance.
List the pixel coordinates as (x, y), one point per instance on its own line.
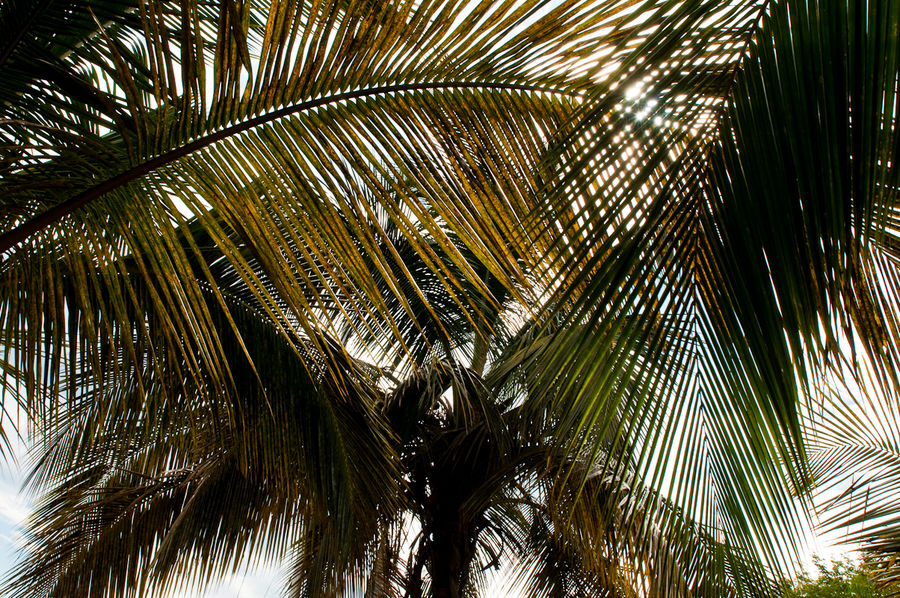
(415, 478)
(241, 238)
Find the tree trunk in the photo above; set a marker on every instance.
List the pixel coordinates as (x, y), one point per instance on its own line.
(449, 556)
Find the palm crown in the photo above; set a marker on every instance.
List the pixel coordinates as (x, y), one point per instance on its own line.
(260, 263)
(416, 476)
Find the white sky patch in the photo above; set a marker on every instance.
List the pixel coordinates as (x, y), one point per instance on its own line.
(259, 582)
(635, 92)
(14, 506)
(14, 509)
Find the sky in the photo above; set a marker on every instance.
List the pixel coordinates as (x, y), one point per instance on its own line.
(13, 510)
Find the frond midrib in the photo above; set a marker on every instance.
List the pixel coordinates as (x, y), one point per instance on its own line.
(19, 234)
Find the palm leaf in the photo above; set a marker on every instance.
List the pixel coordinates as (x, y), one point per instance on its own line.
(608, 165)
(713, 273)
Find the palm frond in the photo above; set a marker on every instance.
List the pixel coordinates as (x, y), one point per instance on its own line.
(713, 275)
(212, 212)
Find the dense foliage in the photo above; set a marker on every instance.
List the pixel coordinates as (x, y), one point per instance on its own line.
(839, 579)
(403, 292)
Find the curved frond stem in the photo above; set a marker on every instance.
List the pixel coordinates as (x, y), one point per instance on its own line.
(10, 239)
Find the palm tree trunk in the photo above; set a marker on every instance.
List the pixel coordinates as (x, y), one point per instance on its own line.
(449, 558)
